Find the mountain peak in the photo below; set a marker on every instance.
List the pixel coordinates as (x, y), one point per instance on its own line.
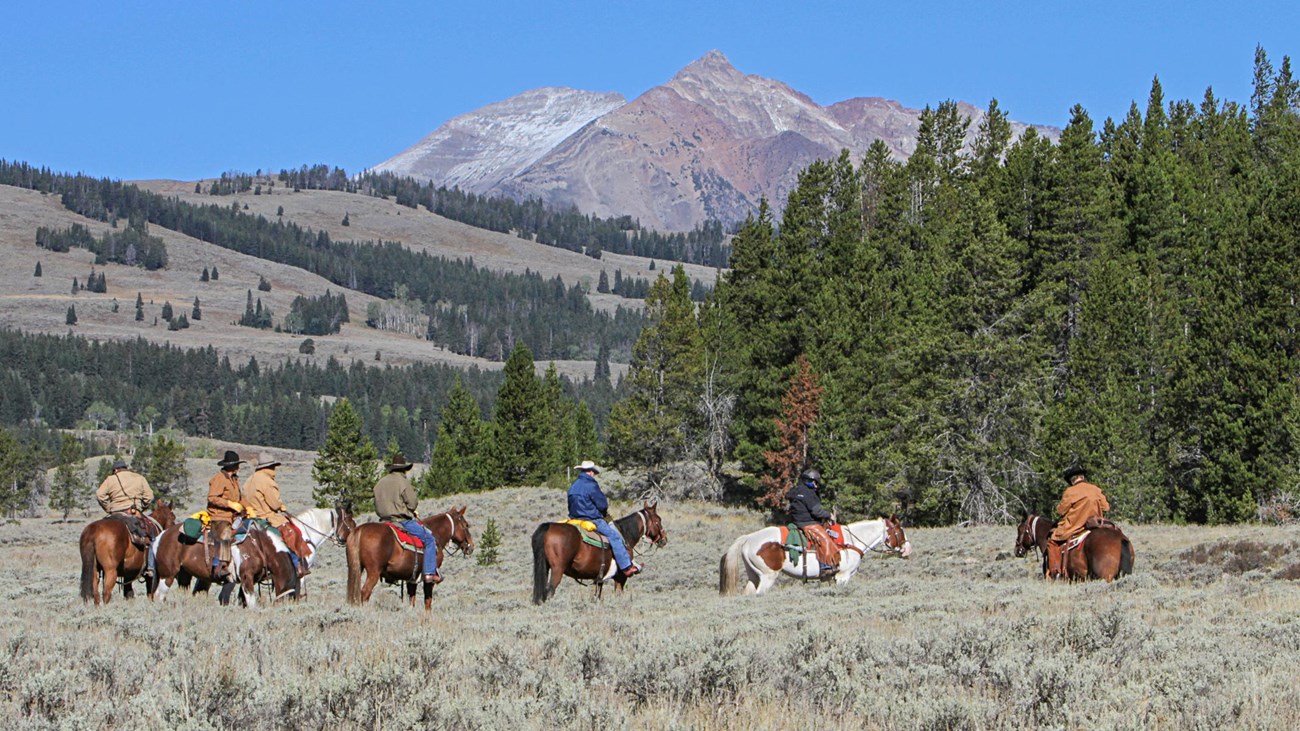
(711, 65)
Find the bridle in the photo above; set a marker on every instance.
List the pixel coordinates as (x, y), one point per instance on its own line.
(335, 522)
(645, 531)
(1029, 532)
(879, 546)
(455, 547)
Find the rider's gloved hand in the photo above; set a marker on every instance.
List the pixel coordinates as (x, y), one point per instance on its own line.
(236, 506)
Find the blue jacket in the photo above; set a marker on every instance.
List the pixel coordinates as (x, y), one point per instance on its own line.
(586, 501)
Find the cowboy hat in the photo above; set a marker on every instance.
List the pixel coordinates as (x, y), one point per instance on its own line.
(231, 459)
(120, 464)
(587, 465)
(400, 464)
(265, 460)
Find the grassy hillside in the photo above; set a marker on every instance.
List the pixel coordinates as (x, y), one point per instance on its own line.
(959, 636)
(40, 304)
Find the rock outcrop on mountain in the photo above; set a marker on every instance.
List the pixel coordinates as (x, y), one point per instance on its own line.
(709, 144)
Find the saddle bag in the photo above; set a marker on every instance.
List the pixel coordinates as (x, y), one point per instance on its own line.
(191, 531)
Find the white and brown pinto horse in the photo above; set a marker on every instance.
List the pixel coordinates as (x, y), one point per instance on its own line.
(754, 561)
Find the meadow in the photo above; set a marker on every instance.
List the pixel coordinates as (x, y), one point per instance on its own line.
(961, 636)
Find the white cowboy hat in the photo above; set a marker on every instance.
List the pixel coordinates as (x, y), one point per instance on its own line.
(587, 465)
(265, 460)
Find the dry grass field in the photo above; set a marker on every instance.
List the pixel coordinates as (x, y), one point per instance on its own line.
(1205, 635)
(35, 304)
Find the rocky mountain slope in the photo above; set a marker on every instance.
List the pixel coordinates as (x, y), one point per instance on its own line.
(709, 144)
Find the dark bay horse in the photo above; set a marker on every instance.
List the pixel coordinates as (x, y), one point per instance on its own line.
(373, 549)
(1105, 554)
(1033, 533)
(108, 553)
(559, 551)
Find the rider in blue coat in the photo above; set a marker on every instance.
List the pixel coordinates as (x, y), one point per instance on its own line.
(587, 502)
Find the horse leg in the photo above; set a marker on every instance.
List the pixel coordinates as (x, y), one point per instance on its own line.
(410, 592)
(223, 597)
(110, 581)
(372, 578)
(428, 597)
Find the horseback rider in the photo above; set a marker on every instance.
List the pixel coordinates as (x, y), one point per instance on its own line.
(224, 507)
(587, 502)
(125, 495)
(1081, 501)
(262, 494)
(808, 515)
(395, 502)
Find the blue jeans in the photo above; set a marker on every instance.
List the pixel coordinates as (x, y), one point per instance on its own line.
(615, 543)
(417, 529)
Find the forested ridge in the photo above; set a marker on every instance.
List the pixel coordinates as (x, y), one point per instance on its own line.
(472, 311)
(567, 229)
(978, 321)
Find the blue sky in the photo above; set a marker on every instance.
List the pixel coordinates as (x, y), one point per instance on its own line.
(187, 90)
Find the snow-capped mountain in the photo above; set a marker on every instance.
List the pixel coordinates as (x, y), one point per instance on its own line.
(709, 144)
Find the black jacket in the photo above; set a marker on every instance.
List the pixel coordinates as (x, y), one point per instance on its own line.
(805, 506)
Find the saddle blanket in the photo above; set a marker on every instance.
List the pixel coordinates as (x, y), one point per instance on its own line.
(406, 540)
(587, 530)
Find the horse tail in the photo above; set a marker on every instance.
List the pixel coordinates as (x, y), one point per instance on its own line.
(353, 548)
(729, 567)
(541, 568)
(1125, 557)
(88, 565)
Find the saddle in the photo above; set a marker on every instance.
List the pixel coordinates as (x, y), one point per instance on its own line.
(796, 543)
(140, 528)
(587, 530)
(407, 541)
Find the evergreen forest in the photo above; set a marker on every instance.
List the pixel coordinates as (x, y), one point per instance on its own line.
(976, 320)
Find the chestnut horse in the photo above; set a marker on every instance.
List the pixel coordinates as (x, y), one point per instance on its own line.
(1105, 553)
(759, 558)
(107, 552)
(373, 549)
(263, 562)
(1032, 533)
(559, 551)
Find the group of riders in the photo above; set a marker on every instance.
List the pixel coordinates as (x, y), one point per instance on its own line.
(125, 494)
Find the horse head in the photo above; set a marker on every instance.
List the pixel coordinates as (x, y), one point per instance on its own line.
(162, 513)
(345, 522)
(895, 538)
(460, 532)
(1025, 538)
(654, 527)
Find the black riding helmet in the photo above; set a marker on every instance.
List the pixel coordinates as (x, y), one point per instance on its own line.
(812, 475)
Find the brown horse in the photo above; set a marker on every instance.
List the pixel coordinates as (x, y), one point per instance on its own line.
(108, 554)
(374, 550)
(1105, 553)
(559, 551)
(182, 563)
(259, 561)
(1032, 533)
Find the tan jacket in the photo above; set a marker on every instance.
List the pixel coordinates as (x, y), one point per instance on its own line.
(222, 489)
(1081, 501)
(123, 490)
(262, 496)
(395, 498)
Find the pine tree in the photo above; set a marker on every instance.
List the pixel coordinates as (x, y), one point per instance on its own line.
(489, 545)
(167, 311)
(657, 422)
(163, 465)
(215, 274)
(204, 276)
(71, 318)
(346, 469)
(519, 423)
(602, 286)
(69, 490)
(139, 307)
(37, 273)
(195, 312)
(801, 407)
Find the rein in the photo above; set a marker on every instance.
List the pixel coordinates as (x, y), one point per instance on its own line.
(874, 546)
(334, 528)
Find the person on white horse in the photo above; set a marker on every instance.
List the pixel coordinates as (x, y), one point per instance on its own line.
(808, 515)
(587, 502)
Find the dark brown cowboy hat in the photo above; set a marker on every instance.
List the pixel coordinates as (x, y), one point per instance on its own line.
(400, 464)
(1075, 470)
(231, 459)
(120, 464)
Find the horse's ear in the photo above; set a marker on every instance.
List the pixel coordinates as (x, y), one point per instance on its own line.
(462, 509)
(650, 506)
